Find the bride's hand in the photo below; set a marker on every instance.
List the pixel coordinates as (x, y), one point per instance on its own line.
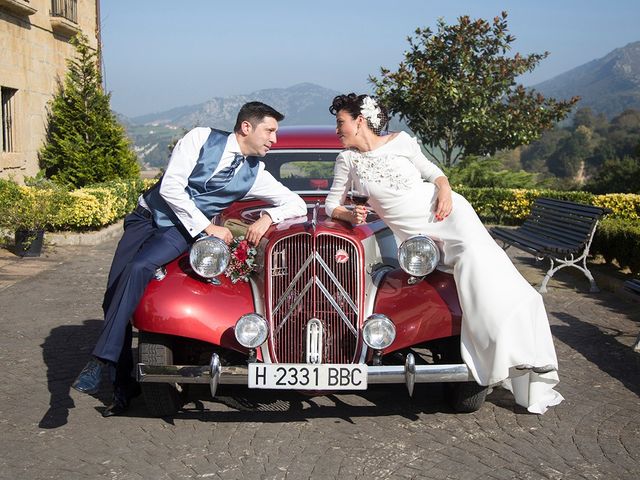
(359, 214)
(444, 204)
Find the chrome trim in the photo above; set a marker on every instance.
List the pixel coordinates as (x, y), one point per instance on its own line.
(314, 219)
(314, 341)
(409, 374)
(313, 288)
(423, 374)
(292, 285)
(336, 282)
(160, 273)
(214, 365)
(335, 305)
(294, 305)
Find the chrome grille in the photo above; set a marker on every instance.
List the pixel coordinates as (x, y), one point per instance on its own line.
(306, 281)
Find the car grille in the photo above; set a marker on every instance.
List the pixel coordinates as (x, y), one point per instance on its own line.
(307, 281)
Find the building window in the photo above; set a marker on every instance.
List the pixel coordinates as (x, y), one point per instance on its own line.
(65, 8)
(8, 111)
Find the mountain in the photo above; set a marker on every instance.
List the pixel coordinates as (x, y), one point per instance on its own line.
(608, 85)
(154, 134)
(302, 104)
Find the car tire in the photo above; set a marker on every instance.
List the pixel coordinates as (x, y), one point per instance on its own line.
(463, 397)
(162, 399)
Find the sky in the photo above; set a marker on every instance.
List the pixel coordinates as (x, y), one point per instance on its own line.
(160, 54)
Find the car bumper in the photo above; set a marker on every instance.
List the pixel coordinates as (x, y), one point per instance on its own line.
(215, 374)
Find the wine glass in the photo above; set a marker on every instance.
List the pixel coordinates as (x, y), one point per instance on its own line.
(359, 195)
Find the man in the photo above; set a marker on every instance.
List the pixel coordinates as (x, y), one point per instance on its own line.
(208, 171)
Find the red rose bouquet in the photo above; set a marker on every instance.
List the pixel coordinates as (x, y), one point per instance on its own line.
(242, 262)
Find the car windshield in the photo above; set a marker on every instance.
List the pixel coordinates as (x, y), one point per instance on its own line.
(302, 171)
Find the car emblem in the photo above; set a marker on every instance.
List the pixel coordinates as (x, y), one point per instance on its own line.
(279, 263)
(342, 256)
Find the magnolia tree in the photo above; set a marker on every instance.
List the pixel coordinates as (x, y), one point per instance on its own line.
(457, 92)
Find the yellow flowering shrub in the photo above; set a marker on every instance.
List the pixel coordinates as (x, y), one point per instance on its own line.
(512, 205)
(55, 208)
(519, 205)
(623, 205)
(84, 210)
(100, 205)
(28, 208)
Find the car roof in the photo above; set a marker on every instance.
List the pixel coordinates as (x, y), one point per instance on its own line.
(295, 137)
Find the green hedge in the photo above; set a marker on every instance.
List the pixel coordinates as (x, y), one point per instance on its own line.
(87, 208)
(617, 236)
(98, 205)
(510, 206)
(619, 239)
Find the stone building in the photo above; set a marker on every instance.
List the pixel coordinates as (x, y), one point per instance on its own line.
(34, 47)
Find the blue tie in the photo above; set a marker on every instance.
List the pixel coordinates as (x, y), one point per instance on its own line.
(224, 176)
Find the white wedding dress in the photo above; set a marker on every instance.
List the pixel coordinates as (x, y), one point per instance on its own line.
(504, 321)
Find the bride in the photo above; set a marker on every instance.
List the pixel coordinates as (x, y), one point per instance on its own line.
(505, 333)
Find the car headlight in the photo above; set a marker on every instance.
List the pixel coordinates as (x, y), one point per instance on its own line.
(378, 331)
(209, 256)
(418, 255)
(251, 330)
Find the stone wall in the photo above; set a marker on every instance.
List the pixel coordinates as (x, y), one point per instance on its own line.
(34, 48)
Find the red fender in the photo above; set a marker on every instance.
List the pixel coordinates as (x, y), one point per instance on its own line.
(185, 305)
(425, 311)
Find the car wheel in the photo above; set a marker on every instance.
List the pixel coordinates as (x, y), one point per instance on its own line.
(162, 399)
(463, 397)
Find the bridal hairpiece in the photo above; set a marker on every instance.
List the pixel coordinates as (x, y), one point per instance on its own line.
(371, 111)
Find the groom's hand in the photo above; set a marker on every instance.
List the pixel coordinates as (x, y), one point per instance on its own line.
(258, 228)
(222, 233)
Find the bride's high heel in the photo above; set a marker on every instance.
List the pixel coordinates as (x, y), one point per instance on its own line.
(542, 369)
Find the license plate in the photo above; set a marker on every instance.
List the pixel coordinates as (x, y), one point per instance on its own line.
(293, 376)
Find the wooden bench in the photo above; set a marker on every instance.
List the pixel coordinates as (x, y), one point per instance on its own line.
(559, 230)
(634, 287)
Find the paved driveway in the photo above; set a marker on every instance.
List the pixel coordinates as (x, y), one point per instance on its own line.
(50, 318)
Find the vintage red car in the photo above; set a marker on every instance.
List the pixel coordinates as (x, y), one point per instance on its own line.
(329, 307)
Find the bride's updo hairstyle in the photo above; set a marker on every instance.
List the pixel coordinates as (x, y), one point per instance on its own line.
(375, 114)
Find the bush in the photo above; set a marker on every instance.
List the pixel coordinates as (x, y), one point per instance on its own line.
(57, 209)
(619, 239)
(507, 206)
(30, 207)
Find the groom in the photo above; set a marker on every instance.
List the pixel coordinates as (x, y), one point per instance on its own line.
(208, 171)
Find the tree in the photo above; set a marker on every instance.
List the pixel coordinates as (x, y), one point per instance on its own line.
(624, 132)
(456, 90)
(585, 117)
(535, 155)
(617, 176)
(489, 172)
(569, 157)
(85, 144)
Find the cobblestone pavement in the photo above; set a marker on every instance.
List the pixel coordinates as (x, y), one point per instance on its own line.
(50, 318)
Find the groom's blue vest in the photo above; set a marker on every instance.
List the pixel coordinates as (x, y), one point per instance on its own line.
(209, 201)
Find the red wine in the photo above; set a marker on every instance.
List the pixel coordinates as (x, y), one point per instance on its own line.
(359, 199)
